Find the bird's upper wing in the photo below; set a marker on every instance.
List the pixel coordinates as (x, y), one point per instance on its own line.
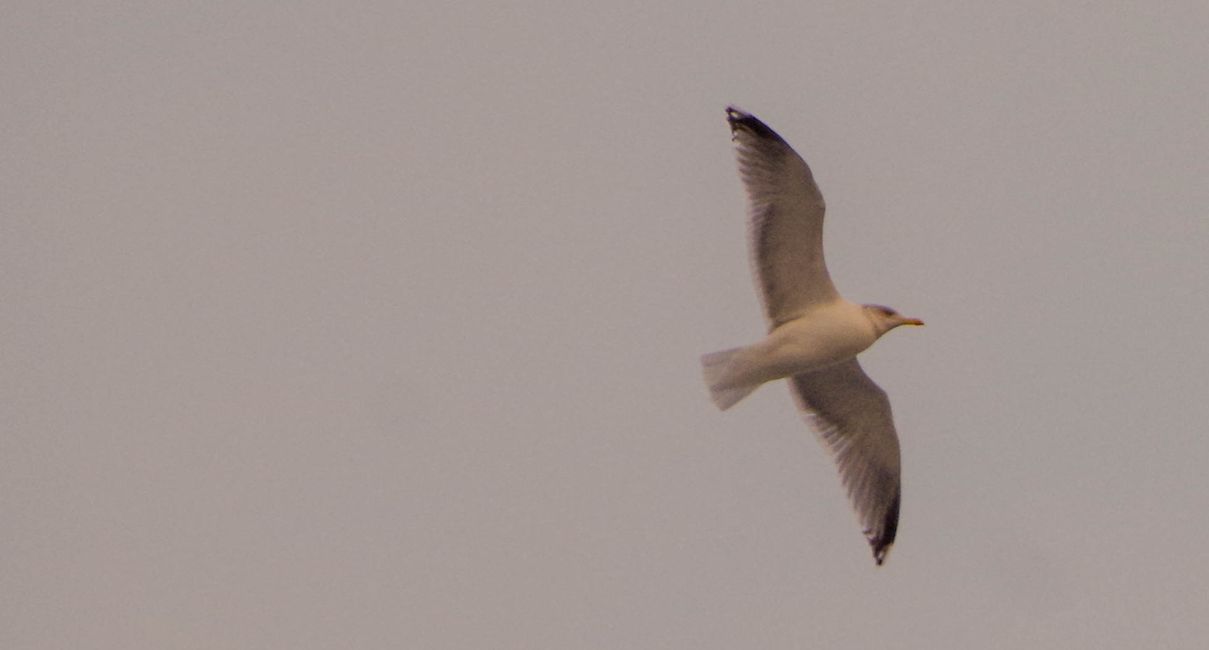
(852, 416)
(785, 221)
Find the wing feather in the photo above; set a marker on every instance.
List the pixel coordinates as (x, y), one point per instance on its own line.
(851, 414)
(785, 221)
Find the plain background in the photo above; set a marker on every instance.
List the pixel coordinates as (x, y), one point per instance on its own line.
(377, 324)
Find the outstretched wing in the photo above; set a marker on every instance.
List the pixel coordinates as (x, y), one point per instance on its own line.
(785, 220)
(851, 415)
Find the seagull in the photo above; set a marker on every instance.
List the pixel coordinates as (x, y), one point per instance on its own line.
(814, 334)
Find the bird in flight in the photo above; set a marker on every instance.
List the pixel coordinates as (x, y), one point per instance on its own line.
(814, 333)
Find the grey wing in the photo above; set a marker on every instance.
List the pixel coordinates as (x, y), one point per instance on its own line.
(785, 220)
(852, 416)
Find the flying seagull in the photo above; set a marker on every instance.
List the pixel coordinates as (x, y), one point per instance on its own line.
(814, 333)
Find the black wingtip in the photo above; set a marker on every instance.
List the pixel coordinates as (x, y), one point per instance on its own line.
(880, 551)
(881, 544)
(739, 119)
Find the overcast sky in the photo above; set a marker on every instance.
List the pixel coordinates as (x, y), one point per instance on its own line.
(377, 324)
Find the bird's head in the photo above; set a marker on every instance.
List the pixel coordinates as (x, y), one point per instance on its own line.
(885, 319)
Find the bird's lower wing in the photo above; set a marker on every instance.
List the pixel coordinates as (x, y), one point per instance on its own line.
(851, 415)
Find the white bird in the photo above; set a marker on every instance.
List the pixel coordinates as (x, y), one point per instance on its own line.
(814, 333)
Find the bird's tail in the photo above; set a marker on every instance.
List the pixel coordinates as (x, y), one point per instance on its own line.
(718, 368)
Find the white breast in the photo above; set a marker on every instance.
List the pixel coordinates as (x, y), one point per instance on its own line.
(821, 337)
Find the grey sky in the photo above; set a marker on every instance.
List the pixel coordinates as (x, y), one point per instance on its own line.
(377, 324)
